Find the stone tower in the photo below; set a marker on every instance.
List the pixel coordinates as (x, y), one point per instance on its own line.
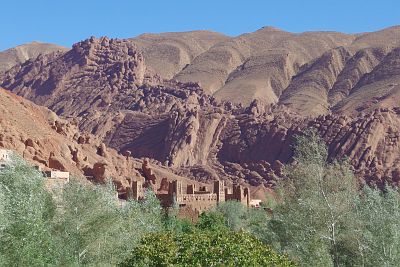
(191, 188)
(137, 190)
(241, 194)
(176, 188)
(219, 189)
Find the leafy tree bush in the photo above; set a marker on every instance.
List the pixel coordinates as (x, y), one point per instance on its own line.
(25, 221)
(320, 218)
(316, 211)
(174, 224)
(379, 219)
(94, 228)
(239, 217)
(204, 248)
(235, 214)
(212, 221)
(87, 227)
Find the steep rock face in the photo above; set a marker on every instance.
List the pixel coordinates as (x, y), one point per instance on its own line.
(344, 86)
(91, 73)
(192, 137)
(388, 68)
(250, 139)
(370, 141)
(376, 89)
(40, 136)
(308, 91)
(212, 68)
(262, 77)
(257, 65)
(44, 139)
(386, 37)
(363, 62)
(312, 73)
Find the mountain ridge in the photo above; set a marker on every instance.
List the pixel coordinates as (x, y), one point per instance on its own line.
(21, 53)
(344, 86)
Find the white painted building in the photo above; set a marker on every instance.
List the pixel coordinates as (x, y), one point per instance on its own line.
(58, 175)
(56, 179)
(4, 157)
(255, 203)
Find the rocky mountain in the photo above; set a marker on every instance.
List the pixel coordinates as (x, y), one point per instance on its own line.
(205, 106)
(19, 54)
(46, 140)
(169, 53)
(43, 138)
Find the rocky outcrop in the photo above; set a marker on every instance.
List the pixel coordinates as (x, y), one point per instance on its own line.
(103, 67)
(230, 112)
(369, 141)
(308, 91)
(44, 139)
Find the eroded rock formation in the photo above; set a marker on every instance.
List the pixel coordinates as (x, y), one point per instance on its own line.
(231, 110)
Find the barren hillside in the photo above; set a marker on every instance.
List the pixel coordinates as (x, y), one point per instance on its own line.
(234, 104)
(41, 137)
(19, 54)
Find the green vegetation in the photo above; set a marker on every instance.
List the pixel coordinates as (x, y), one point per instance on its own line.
(25, 211)
(322, 216)
(204, 248)
(314, 216)
(88, 228)
(378, 238)
(85, 225)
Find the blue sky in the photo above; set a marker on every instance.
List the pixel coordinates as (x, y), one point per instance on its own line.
(68, 21)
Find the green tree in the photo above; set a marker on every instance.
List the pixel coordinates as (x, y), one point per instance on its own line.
(235, 214)
(379, 214)
(95, 229)
(238, 217)
(26, 212)
(212, 221)
(87, 227)
(316, 209)
(175, 224)
(204, 248)
(155, 249)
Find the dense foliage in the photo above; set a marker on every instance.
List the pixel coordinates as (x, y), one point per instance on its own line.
(85, 225)
(79, 225)
(322, 216)
(204, 248)
(26, 209)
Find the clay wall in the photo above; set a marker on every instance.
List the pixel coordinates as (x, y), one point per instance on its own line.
(137, 190)
(198, 202)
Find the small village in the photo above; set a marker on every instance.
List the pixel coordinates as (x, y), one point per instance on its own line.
(191, 201)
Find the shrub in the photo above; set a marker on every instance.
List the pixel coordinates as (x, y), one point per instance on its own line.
(89, 227)
(26, 213)
(379, 224)
(315, 215)
(204, 248)
(95, 229)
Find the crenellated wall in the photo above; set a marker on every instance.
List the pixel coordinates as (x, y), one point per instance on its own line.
(185, 194)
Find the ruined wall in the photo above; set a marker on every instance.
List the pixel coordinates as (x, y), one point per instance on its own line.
(199, 201)
(239, 193)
